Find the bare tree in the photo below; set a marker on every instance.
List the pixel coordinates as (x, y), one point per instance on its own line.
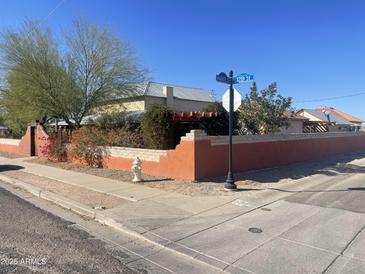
(95, 68)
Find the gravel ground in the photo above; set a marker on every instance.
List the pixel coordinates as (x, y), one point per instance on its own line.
(261, 179)
(179, 186)
(87, 197)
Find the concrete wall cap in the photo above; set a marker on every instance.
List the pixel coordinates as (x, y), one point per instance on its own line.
(196, 134)
(12, 142)
(222, 140)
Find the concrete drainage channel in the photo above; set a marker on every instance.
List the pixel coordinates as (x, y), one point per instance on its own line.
(95, 214)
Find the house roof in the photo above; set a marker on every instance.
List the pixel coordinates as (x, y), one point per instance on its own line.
(291, 115)
(332, 117)
(186, 93)
(342, 114)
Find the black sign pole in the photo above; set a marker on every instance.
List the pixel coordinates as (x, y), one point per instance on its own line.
(230, 185)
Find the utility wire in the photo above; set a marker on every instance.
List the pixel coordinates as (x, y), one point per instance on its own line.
(39, 24)
(52, 11)
(331, 98)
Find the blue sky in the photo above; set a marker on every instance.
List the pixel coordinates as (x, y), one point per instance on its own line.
(312, 49)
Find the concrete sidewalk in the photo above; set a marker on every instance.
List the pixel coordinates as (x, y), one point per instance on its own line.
(217, 229)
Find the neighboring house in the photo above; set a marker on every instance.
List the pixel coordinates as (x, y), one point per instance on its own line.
(356, 122)
(332, 121)
(177, 98)
(295, 123)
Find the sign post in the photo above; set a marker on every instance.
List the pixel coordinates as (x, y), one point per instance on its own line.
(230, 185)
(233, 104)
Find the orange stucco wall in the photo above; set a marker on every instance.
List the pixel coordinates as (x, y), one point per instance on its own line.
(178, 163)
(22, 149)
(9, 149)
(212, 161)
(24, 146)
(199, 159)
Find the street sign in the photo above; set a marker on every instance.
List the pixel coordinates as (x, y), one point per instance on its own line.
(223, 78)
(237, 100)
(243, 77)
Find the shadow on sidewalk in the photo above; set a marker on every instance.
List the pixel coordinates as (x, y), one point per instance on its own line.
(10, 167)
(315, 191)
(240, 189)
(330, 166)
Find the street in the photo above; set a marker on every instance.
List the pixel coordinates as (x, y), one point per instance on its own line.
(34, 241)
(312, 223)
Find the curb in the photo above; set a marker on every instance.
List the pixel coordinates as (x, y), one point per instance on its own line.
(93, 214)
(50, 196)
(90, 188)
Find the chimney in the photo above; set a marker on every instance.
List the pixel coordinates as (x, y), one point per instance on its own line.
(169, 93)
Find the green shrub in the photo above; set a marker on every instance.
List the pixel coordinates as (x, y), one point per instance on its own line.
(157, 127)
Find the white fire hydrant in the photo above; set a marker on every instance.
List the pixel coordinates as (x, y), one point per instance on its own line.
(137, 170)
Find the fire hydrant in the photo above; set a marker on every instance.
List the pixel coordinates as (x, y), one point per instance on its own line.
(137, 170)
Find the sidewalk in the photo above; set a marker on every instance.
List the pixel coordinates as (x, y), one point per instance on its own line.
(211, 229)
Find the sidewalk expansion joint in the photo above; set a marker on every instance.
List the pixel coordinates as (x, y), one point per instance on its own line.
(229, 219)
(85, 211)
(344, 249)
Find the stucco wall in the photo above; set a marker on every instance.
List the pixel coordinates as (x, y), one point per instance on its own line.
(129, 105)
(177, 104)
(189, 105)
(17, 146)
(132, 105)
(150, 100)
(258, 152)
(143, 103)
(9, 145)
(199, 156)
(296, 126)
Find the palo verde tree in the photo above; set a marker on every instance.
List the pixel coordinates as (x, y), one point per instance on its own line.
(94, 68)
(263, 112)
(18, 105)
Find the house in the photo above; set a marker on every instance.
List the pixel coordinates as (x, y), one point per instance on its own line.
(330, 121)
(356, 122)
(177, 98)
(295, 123)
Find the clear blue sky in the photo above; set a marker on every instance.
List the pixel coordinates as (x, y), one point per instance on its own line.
(313, 49)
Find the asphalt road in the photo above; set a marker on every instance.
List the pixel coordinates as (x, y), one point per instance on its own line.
(35, 241)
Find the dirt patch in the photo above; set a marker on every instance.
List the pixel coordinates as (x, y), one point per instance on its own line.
(119, 175)
(178, 186)
(84, 196)
(10, 156)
